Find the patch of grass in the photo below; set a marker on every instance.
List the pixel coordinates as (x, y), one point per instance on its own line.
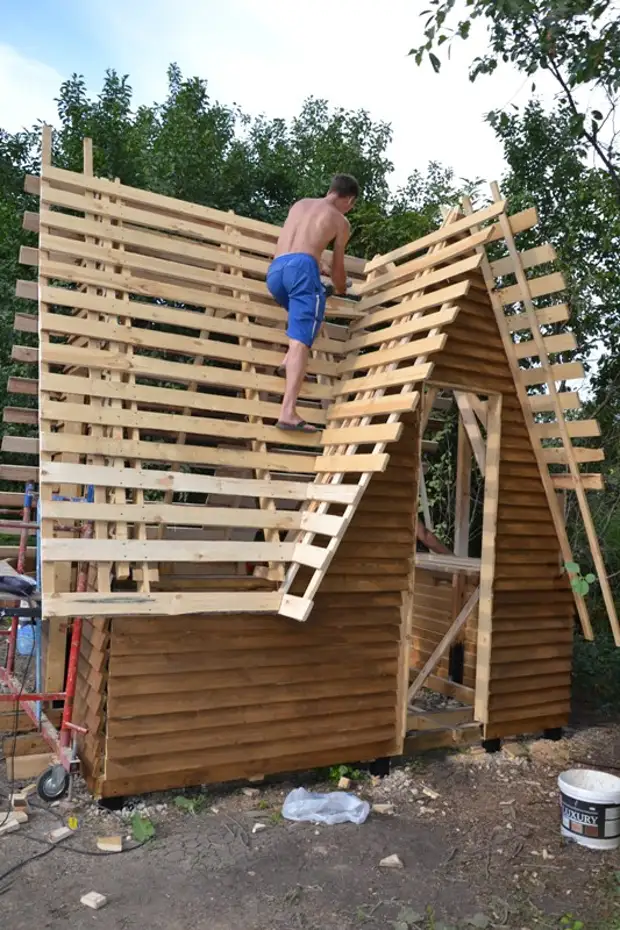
(345, 771)
(193, 805)
(263, 805)
(276, 818)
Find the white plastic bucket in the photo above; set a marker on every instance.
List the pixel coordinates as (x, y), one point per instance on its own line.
(590, 804)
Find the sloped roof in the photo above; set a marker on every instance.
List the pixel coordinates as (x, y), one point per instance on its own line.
(159, 349)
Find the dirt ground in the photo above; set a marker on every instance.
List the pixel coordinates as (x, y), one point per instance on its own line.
(478, 837)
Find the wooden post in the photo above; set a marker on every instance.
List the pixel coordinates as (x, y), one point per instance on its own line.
(487, 568)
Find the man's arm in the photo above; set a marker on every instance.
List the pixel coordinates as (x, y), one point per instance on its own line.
(429, 540)
(339, 275)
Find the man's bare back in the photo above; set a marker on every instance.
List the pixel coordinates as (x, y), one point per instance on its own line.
(310, 227)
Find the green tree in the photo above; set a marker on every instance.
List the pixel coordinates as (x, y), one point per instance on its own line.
(192, 147)
(577, 42)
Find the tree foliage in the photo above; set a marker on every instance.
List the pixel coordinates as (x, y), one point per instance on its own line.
(195, 148)
(577, 42)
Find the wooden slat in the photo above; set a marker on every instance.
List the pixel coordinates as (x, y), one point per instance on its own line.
(55, 473)
(560, 456)
(538, 287)
(567, 482)
(126, 604)
(187, 515)
(24, 415)
(146, 366)
(436, 276)
(171, 399)
(519, 322)
(22, 445)
(28, 386)
(530, 258)
(25, 323)
(408, 270)
(430, 301)
(577, 429)
(25, 354)
(541, 403)
(569, 371)
(398, 353)
(565, 342)
(167, 342)
(187, 319)
(434, 238)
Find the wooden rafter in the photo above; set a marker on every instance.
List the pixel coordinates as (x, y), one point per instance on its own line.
(501, 319)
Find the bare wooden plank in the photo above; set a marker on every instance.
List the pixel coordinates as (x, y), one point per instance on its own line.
(27, 290)
(57, 472)
(519, 322)
(519, 222)
(398, 353)
(25, 415)
(189, 454)
(530, 258)
(188, 515)
(408, 270)
(171, 398)
(427, 301)
(23, 445)
(538, 287)
(187, 319)
(577, 429)
(434, 238)
(487, 570)
(146, 366)
(25, 354)
(591, 482)
(125, 604)
(560, 456)
(568, 371)
(437, 276)
(25, 323)
(28, 386)
(541, 403)
(564, 342)
(385, 379)
(170, 550)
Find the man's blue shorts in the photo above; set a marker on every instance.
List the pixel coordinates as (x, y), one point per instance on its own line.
(294, 281)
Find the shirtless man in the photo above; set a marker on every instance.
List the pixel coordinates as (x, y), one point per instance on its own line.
(294, 280)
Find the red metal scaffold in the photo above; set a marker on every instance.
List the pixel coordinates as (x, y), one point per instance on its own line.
(56, 779)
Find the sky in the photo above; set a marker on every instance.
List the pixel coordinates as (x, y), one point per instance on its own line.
(267, 56)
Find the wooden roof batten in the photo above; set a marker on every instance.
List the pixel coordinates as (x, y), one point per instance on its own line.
(154, 418)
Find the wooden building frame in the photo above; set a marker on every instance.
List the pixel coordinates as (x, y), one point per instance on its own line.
(222, 548)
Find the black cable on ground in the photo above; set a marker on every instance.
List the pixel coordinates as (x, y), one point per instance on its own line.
(67, 847)
(25, 862)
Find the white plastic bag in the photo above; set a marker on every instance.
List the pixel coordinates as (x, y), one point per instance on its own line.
(335, 807)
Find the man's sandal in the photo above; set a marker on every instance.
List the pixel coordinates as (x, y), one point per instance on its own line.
(301, 427)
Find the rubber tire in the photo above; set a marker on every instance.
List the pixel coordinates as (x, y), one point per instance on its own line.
(48, 782)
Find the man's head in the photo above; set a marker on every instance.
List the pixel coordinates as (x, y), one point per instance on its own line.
(343, 192)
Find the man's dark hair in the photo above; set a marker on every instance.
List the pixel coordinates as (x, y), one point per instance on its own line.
(344, 185)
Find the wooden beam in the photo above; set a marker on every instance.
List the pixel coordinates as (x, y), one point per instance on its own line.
(487, 568)
(529, 290)
(528, 405)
